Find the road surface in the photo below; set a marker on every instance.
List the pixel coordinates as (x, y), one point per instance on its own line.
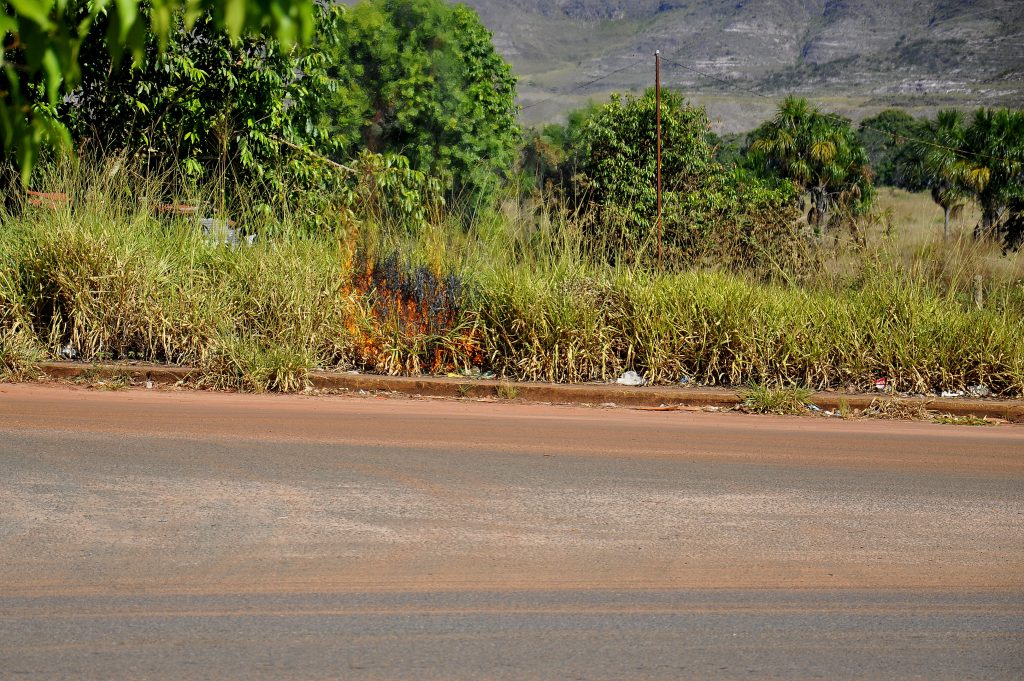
(177, 535)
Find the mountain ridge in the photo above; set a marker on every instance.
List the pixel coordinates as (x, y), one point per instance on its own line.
(858, 56)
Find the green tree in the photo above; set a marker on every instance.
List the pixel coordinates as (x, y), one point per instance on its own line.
(421, 78)
(614, 160)
(42, 39)
(887, 139)
(819, 153)
(995, 145)
(940, 154)
(983, 161)
(203, 103)
(548, 154)
(720, 216)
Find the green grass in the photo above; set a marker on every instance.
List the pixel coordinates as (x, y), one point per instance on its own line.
(114, 282)
(775, 399)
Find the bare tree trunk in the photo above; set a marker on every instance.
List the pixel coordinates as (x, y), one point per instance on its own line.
(945, 223)
(988, 220)
(819, 208)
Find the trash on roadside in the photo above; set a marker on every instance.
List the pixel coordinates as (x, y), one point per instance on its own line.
(685, 380)
(608, 405)
(979, 391)
(952, 393)
(69, 352)
(475, 372)
(630, 378)
(677, 407)
(881, 384)
(149, 384)
(52, 200)
(813, 407)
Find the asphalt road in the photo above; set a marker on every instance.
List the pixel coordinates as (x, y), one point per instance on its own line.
(150, 535)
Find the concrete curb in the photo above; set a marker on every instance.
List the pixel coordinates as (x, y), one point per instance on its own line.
(558, 393)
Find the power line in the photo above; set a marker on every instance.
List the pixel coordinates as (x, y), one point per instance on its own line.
(728, 83)
(582, 85)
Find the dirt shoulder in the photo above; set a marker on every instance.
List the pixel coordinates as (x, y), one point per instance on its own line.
(590, 394)
(517, 427)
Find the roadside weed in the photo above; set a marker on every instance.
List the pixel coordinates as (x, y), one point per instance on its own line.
(775, 399)
(507, 391)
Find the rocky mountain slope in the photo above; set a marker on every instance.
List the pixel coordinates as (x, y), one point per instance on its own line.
(738, 56)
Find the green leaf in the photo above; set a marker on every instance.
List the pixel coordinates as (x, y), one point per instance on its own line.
(127, 14)
(37, 11)
(54, 75)
(234, 16)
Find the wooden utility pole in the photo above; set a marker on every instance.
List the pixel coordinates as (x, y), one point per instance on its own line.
(657, 118)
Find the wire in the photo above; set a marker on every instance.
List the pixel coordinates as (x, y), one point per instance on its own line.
(582, 85)
(729, 83)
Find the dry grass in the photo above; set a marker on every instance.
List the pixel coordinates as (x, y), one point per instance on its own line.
(896, 409)
(904, 235)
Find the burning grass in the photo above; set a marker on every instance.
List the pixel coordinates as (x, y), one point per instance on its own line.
(519, 293)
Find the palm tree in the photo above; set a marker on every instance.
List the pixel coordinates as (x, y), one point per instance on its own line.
(995, 141)
(941, 153)
(817, 152)
(983, 161)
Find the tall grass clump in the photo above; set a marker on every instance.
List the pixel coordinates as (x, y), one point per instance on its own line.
(775, 399)
(721, 329)
(555, 312)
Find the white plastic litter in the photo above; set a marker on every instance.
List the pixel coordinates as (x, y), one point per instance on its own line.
(630, 378)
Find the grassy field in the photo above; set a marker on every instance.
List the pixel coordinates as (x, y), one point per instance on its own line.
(105, 279)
